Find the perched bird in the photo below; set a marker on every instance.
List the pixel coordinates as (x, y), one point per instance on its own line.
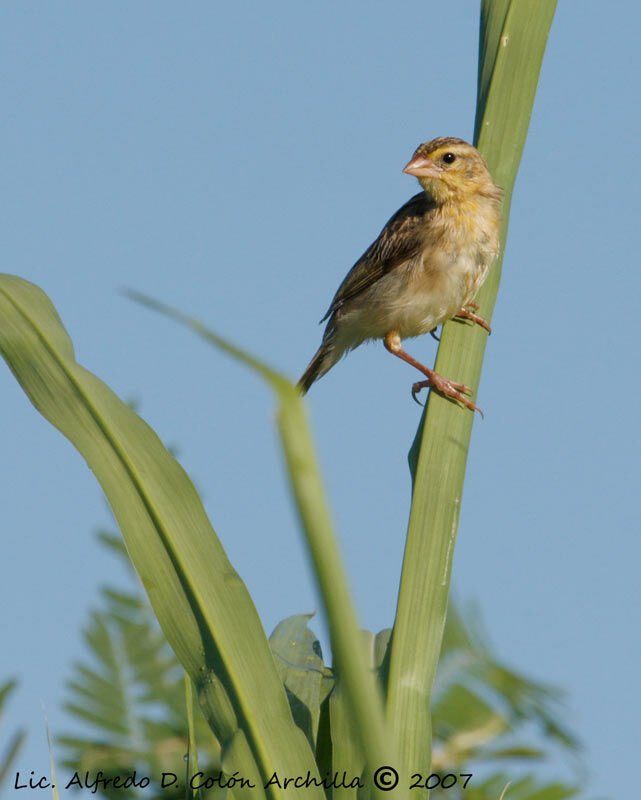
(425, 267)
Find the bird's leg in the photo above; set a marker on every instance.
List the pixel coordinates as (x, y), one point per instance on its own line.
(392, 342)
(463, 312)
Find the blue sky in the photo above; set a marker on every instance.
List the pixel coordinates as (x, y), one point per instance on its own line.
(235, 160)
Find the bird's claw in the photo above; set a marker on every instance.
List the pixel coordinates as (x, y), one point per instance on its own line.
(416, 388)
(465, 314)
(449, 389)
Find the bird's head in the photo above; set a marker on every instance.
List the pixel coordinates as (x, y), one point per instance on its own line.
(449, 169)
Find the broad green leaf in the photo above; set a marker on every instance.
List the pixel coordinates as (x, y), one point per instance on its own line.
(201, 603)
(299, 661)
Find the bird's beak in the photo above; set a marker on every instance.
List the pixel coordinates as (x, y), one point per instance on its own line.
(423, 167)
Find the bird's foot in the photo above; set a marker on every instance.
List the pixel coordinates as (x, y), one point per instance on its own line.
(455, 391)
(463, 312)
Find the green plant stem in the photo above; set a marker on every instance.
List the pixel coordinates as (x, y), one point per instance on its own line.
(513, 38)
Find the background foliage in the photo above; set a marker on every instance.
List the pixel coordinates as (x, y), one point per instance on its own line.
(127, 698)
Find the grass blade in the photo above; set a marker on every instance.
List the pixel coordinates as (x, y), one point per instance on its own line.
(513, 38)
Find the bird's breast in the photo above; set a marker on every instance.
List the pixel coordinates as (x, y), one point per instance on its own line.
(428, 289)
(445, 279)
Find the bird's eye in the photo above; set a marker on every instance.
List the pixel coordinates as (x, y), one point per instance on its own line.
(449, 158)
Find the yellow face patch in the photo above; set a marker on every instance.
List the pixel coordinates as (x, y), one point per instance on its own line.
(437, 154)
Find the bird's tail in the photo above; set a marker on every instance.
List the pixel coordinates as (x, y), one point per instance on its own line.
(325, 358)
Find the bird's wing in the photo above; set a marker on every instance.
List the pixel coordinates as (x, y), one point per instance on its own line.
(401, 239)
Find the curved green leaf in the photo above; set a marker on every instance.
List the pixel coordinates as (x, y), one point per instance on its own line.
(201, 603)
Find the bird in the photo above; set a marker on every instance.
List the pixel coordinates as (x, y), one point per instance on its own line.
(424, 268)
